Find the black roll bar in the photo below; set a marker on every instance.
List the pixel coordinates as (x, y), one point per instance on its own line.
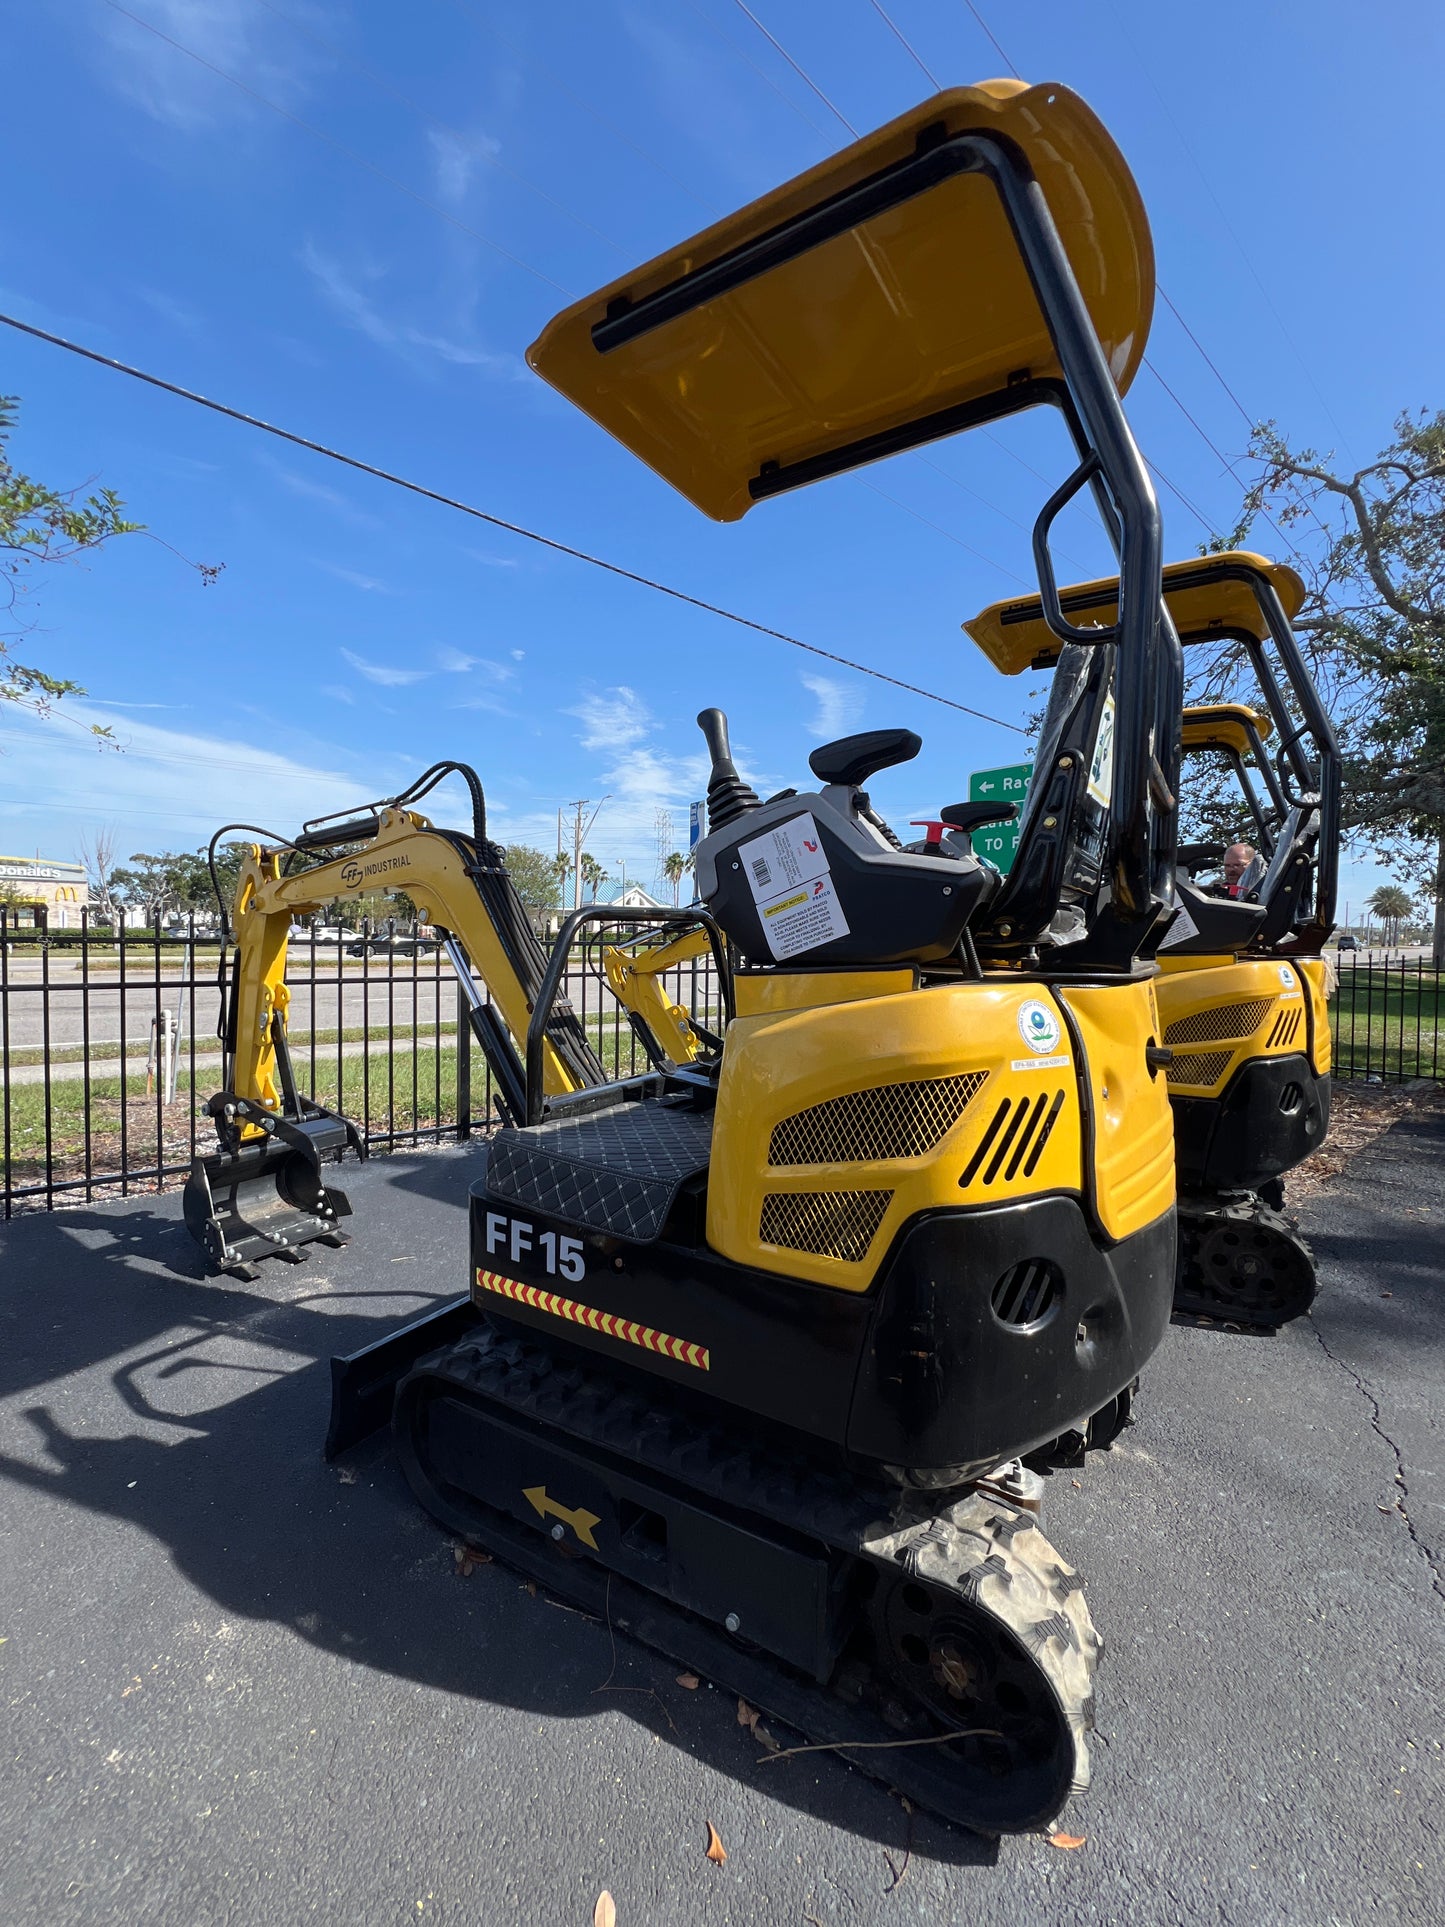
(1140, 856)
(557, 969)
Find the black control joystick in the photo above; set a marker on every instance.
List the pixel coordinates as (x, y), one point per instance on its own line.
(728, 796)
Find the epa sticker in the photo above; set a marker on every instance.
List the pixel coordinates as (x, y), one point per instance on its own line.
(1039, 1027)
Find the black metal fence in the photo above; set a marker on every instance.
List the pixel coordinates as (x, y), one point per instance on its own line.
(1388, 1018)
(109, 1048)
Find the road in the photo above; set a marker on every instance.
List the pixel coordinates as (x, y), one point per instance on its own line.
(364, 996)
(244, 1687)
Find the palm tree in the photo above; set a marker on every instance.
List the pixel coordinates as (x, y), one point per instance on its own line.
(675, 869)
(593, 875)
(1391, 904)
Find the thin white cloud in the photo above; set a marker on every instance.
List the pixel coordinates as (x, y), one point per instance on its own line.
(613, 721)
(839, 706)
(167, 789)
(455, 159)
(386, 675)
(492, 561)
(348, 293)
(313, 491)
(638, 779)
(518, 655)
(338, 692)
(356, 579)
(456, 662)
(169, 309)
(233, 35)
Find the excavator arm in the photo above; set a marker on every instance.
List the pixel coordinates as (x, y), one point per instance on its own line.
(454, 884)
(635, 975)
(262, 1192)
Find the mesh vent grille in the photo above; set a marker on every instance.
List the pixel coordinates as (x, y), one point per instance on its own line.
(830, 1224)
(1229, 1020)
(891, 1121)
(1204, 1067)
(1286, 1027)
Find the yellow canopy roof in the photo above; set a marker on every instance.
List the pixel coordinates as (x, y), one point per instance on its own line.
(1224, 726)
(1206, 597)
(921, 308)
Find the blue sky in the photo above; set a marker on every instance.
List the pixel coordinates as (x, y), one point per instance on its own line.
(373, 278)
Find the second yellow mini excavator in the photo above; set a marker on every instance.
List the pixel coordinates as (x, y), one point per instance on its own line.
(755, 1343)
(1242, 995)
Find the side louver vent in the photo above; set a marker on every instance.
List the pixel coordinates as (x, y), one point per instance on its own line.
(1015, 1139)
(1027, 1293)
(1228, 1020)
(890, 1121)
(1200, 1069)
(830, 1224)
(1286, 1028)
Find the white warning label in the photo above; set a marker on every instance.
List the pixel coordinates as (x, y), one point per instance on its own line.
(1101, 769)
(1182, 927)
(792, 886)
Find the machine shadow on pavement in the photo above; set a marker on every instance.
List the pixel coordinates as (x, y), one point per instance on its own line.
(214, 1397)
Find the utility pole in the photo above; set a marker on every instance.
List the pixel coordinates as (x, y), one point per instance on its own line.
(580, 832)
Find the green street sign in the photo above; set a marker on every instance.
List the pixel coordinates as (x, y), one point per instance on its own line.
(999, 842)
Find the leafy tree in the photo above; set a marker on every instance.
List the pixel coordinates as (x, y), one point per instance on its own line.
(536, 878)
(674, 869)
(1391, 905)
(1373, 625)
(41, 525)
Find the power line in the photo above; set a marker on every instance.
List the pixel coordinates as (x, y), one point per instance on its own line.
(494, 521)
(359, 160)
(988, 34)
(906, 44)
(747, 61)
(807, 79)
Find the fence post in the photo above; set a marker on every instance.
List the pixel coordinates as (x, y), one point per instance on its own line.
(464, 1062)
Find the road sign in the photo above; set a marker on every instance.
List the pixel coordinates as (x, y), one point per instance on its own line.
(694, 825)
(999, 842)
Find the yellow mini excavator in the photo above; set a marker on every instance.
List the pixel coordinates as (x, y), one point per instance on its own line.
(1242, 997)
(755, 1342)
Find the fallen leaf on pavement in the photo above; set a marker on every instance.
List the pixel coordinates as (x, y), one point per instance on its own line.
(716, 1851)
(752, 1719)
(529, 1586)
(468, 1558)
(604, 1914)
(690, 1681)
(1068, 1841)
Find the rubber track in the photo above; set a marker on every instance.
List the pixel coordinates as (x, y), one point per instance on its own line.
(990, 1554)
(1198, 1302)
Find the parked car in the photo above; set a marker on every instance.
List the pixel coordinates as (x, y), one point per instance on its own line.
(1348, 941)
(393, 943)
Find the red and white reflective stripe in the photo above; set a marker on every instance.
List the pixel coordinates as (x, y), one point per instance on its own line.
(553, 1303)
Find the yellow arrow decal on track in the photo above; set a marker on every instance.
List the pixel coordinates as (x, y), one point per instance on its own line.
(580, 1520)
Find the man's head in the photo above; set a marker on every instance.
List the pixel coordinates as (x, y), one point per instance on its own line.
(1237, 859)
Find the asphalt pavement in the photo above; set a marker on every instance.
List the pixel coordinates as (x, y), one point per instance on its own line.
(242, 1686)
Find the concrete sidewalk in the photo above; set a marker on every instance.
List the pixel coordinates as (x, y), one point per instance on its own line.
(244, 1687)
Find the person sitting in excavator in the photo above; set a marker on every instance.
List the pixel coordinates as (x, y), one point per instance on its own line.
(1237, 860)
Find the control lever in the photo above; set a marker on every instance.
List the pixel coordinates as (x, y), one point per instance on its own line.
(973, 816)
(728, 796)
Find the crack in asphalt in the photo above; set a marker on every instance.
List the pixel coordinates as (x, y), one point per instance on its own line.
(1437, 1578)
